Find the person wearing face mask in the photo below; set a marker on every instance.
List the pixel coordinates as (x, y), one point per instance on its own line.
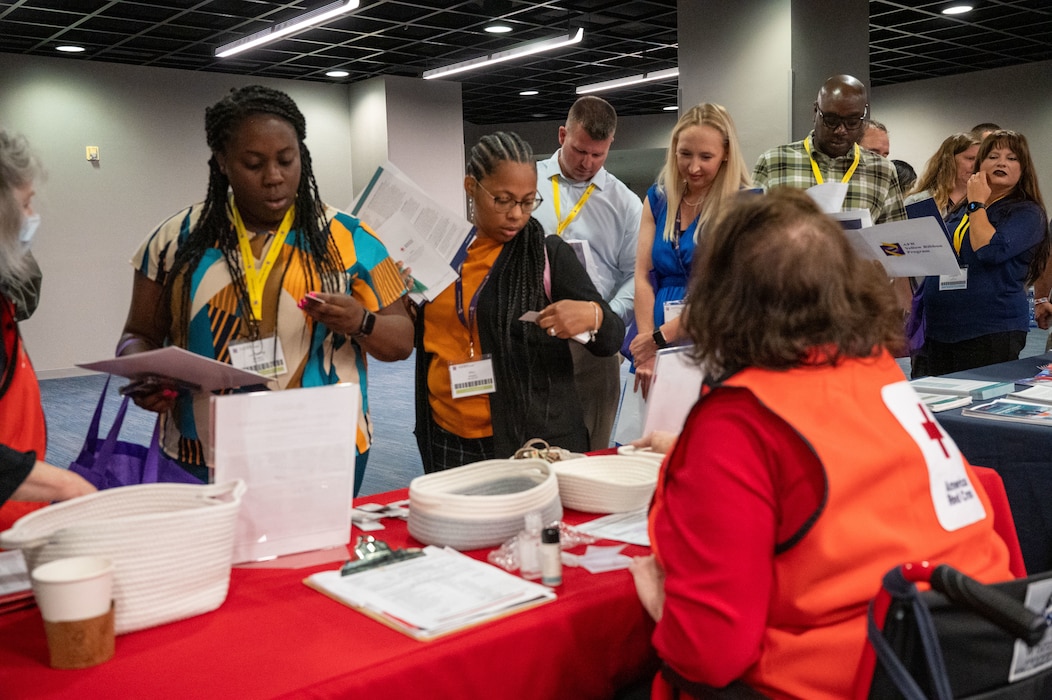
(487, 380)
(980, 316)
(704, 170)
(24, 477)
(263, 275)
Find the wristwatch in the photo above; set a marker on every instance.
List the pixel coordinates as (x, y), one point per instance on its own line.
(368, 323)
(975, 206)
(659, 338)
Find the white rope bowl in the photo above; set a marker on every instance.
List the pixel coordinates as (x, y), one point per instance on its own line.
(607, 483)
(171, 545)
(481, 504)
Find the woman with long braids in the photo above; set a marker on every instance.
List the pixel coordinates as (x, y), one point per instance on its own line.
(318, 291)
(488, 381)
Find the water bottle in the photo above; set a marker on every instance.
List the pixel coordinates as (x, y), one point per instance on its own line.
(1030, 305)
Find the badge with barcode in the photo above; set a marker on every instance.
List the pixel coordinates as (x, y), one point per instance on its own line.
(472, 378)
(264, 356)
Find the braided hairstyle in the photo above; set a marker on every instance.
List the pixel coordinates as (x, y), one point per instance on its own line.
(520, 286)
(213, 228)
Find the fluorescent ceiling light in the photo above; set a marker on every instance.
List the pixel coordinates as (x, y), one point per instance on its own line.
(529, 93)
(497, 28)
(653, 76)
(957, 9)
(69, 49)
(337, 73)
(296, 24)
(670, 108)
(519, 51)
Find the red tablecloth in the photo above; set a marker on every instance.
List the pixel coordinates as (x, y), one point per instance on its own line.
(275, 637)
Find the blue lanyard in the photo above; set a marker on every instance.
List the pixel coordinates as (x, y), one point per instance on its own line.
(458, 286)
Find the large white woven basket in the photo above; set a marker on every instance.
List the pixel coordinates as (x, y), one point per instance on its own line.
(170, 544)
(481, 504)
(607, 483)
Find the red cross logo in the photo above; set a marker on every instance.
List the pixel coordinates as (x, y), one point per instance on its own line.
(932, 429)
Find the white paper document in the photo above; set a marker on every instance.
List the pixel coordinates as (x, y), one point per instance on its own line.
(432, 595)
(829, 196)
(415, 228)
(675, 389)
(188, 368)
(14, 578)
(531, 317)
(910, 248)
(630, 527)
(295, 450)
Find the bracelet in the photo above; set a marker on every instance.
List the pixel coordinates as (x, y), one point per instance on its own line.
(132, 340)
(1042, 300)
(595, 331)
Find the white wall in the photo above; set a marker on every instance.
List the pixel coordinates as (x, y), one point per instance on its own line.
(920, 114)
(149, 125)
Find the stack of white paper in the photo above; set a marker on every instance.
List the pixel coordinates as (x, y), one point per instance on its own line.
(432, 595)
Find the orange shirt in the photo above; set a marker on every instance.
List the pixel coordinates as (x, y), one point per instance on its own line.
(449, 341)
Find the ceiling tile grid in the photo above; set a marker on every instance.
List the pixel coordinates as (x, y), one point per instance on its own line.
(908, 41)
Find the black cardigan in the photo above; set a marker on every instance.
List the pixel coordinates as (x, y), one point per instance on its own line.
(553, 411)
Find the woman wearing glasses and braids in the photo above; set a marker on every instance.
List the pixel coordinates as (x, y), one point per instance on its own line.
(262, 275)
(488, 381)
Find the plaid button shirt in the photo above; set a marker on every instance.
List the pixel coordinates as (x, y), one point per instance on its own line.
(873, 186)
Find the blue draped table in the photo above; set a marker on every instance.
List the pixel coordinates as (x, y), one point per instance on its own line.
(1021, 454)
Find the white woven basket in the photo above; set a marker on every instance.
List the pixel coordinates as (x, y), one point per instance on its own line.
(481, 504)
(170, 544)
(608, 483)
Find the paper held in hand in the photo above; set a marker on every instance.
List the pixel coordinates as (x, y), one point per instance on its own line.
(417, 230)
(184, 367)
(430, 596)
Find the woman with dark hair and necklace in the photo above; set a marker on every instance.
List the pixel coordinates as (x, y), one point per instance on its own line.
(263, 275)
(487, 379)
(703, 169)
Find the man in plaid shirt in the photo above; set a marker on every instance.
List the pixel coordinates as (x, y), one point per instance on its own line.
(830, 153)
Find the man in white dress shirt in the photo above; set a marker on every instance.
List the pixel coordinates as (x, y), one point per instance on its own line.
(598, 215)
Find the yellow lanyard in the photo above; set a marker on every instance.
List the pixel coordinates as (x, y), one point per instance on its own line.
(818, 173)
(962, 230)
(255, 279)
(563, 223)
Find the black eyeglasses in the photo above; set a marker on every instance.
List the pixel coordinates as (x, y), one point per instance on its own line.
(833, 121)
(506, 204)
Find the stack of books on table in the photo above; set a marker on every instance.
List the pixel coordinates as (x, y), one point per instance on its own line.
(1014, 411)
(978, 389)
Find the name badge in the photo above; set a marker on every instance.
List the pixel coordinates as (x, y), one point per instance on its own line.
(263, 356)
(948, 283)
(673, 309)
(472, 378)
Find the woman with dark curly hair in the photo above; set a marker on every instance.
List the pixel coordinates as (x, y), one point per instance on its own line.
(488, 381)
(807, 469)
(263, 275)
(980, 316)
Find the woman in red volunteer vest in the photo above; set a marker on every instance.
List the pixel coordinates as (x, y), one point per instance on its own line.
(806, 470)
(23, 476)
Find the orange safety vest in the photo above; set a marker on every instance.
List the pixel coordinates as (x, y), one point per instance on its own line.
(22, 424)
(879, 513)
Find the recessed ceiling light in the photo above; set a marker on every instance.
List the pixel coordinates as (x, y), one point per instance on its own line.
(497, 28)
(70, 49)
(337, 73)
(527, 93)
(957, 9)
(670, 108)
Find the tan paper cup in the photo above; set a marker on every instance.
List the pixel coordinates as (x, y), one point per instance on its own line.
(78, 588)
(75, 599)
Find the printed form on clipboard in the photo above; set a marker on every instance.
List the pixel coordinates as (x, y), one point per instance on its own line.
(433, 595)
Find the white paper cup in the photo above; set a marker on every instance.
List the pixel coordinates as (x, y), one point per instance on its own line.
(78, 588)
